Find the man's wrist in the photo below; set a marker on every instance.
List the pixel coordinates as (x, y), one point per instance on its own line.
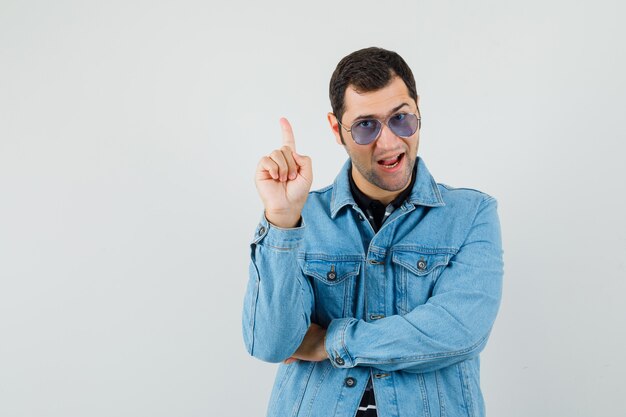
(283, 221)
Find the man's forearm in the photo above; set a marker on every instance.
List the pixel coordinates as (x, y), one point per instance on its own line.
(279, 300)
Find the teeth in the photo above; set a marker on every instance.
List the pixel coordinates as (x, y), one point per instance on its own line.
(397, 158)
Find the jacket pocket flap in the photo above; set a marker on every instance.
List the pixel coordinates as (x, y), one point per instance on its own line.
(331, 272)
(420, 263)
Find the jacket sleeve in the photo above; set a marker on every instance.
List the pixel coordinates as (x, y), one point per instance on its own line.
(452, 326)
(279, 300)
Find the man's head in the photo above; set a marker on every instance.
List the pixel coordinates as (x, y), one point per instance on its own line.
(366, 70)
(376, 85)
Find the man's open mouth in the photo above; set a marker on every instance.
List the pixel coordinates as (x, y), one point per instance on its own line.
(391, 162)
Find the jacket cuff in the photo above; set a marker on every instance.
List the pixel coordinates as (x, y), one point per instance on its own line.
(335, 343)
(269, 235)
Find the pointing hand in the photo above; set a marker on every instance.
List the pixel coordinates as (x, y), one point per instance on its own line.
(283, 180)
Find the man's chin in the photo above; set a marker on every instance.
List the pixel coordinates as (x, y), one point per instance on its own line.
(394, 186)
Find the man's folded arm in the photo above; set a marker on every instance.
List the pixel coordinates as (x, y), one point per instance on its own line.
(453, 325)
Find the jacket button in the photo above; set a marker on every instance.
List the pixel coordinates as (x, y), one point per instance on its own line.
(261, 230)
(331, 276)
(350, 382)
(361, 218)
(339, 361)
(421, 264)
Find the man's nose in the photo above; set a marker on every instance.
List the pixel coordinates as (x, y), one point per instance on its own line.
(387, 139)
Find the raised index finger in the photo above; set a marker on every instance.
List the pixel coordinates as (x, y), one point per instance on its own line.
(288, 139)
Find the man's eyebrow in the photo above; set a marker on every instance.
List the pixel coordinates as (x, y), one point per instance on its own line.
(374, 116)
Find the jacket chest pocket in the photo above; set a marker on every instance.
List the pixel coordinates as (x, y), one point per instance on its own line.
(333, 286)
(415, 274)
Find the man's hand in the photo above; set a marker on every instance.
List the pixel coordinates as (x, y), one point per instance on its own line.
(312, 347)
(283, 180)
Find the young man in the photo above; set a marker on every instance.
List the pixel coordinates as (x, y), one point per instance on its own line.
(378, 292)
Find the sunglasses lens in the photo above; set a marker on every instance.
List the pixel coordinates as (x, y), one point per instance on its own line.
(365, 131)
(403, 125)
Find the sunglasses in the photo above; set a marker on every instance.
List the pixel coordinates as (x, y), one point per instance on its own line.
(366, 131)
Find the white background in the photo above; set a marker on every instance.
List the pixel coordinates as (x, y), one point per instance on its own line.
(129, 134)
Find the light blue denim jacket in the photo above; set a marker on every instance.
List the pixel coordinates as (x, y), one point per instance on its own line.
(410, 306)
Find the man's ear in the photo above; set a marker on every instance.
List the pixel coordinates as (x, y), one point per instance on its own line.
(334, 126)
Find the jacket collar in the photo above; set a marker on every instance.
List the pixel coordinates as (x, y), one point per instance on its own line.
(425, 191)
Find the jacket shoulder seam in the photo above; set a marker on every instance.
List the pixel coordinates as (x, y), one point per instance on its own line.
(321, 190)
(486, 197)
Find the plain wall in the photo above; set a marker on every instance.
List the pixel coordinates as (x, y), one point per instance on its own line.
(129, 135)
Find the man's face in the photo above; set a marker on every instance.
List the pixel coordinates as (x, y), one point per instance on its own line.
(381, 169)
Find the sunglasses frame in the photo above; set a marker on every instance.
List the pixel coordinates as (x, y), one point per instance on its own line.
(382, 122)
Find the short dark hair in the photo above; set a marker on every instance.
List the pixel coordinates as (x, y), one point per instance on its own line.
(366, 70)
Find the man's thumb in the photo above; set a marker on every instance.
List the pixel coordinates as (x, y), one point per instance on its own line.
(306, 166)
